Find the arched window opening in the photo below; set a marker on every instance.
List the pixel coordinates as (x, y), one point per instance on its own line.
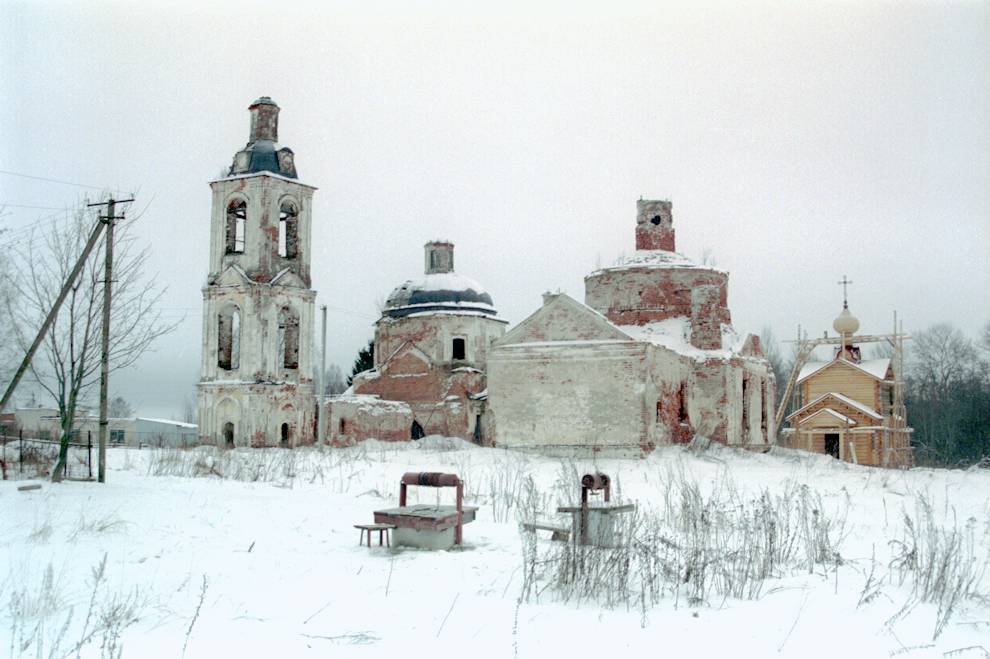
(416, 432)
(745, 408)
(682, 413)
(285, 435)
(288, 230)
(458, 350)
(228, 434)
(229, 338)
(236, 219)
(764, 400)
(288, 337)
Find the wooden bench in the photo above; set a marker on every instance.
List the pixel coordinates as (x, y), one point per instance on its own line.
(558, 532)
(382, 529)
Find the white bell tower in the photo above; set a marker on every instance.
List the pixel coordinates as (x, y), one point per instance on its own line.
(256, 378)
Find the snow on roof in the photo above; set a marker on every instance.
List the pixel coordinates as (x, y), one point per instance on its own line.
(448, 281)
(438, 291)
(235, 177)
(675, 334)
(654, 258)
(371, 404)
(845, 399)
(876, 368)
(181, 424)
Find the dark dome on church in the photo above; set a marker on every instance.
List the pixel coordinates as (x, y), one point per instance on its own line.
(445, 292)
(263, 153)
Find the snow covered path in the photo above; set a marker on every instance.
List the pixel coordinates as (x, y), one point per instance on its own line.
(274, 566)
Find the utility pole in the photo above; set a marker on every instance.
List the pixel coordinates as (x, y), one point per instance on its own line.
(109, 219)
(321, 431)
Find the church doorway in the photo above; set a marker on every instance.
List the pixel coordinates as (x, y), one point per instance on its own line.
(832, 445)
(417, 431)
(228, 434)
(285, 435)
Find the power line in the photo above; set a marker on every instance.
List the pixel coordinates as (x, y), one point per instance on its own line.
(52, 180)
(44, 208)
(17, 235)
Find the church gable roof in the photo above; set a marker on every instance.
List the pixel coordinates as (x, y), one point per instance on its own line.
(407, 359)
(289, 279)
(832, 415)
(875, 368)
(834, 399)
(562, 318)
(233, 276)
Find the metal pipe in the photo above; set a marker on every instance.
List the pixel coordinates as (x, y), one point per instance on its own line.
(430, 479)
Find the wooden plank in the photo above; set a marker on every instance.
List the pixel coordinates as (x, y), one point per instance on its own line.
(620, 508)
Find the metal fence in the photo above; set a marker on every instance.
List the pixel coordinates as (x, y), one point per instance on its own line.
(28, 457)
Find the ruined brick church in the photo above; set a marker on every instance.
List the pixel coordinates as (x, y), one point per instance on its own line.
(649, 358)
(431, 349)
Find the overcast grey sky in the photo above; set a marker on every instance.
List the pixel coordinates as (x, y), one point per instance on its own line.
(798, 142)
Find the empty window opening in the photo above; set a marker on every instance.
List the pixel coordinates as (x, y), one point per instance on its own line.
(656, 220)
(236, 219)
(229, 338)
(477, 429)
(343, 426)
(832, 445)
(416, 432)
(763, 407)
(745, 406)
(659, 408)
(228, 434)
(285, 435)
(458, 348)
(682, 412)
(288, 233)
(288, 337)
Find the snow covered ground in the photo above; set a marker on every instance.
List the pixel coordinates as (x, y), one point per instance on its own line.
(265, 562)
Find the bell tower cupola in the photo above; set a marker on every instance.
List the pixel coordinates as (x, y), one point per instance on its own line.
(263, 153)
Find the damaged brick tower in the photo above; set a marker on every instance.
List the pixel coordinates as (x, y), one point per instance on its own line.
(256, 386)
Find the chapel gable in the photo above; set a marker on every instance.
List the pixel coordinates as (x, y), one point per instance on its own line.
(562, 318)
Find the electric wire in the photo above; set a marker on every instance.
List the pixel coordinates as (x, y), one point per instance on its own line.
(51, 180)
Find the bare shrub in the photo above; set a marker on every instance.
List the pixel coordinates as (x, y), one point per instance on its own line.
(694, 547)
(333, 467)
(941, 564)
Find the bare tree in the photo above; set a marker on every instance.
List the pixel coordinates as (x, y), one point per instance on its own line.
(948, 397)
(334, 381)
(119, 408)
(942, 357)
(68, 363)
(8, 294)
(189, 410)
(771, 350)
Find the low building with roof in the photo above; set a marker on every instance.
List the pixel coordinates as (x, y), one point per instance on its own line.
(431, 350)
(649, 359)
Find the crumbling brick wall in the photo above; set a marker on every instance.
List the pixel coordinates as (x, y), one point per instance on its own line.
(351, 419)
(641, 295)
